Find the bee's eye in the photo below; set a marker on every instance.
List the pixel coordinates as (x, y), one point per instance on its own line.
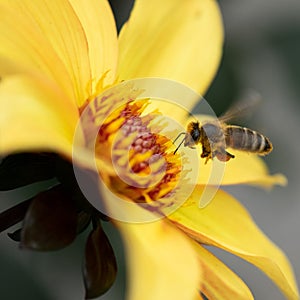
(195, 134)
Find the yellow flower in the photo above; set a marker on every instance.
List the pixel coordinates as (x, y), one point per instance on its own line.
(56, 57)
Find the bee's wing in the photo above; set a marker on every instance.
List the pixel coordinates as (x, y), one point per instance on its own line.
(241, 108)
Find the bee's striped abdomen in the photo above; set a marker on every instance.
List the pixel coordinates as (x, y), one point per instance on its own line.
(245, 139)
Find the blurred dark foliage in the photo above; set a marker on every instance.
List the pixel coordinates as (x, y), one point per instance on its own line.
(121, 10)
(286, 42)
(224, 90)
(53, 218)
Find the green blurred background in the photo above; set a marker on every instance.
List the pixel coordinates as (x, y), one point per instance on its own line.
(261, 53)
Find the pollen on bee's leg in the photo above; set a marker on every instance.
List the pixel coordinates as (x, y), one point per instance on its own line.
(223, 155)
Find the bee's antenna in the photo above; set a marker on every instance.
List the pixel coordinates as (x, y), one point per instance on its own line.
(180, 134)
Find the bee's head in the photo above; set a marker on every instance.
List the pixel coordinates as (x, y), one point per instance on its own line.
(194, 131)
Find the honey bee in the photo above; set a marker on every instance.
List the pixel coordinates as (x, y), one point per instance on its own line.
(215, 136)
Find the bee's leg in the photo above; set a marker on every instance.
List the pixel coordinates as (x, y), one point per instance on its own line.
(206, 151)
(204, 154)
(207, 159)
(229, 155)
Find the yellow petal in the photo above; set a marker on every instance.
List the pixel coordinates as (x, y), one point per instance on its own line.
(179, 40)
(226, 224)
(26, 46)
(35, 115)
(48, 37)
(161, 260)
(98, 23)
(245, 168)
(219, 282)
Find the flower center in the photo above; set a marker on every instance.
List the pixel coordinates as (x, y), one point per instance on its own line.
(136, 161)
